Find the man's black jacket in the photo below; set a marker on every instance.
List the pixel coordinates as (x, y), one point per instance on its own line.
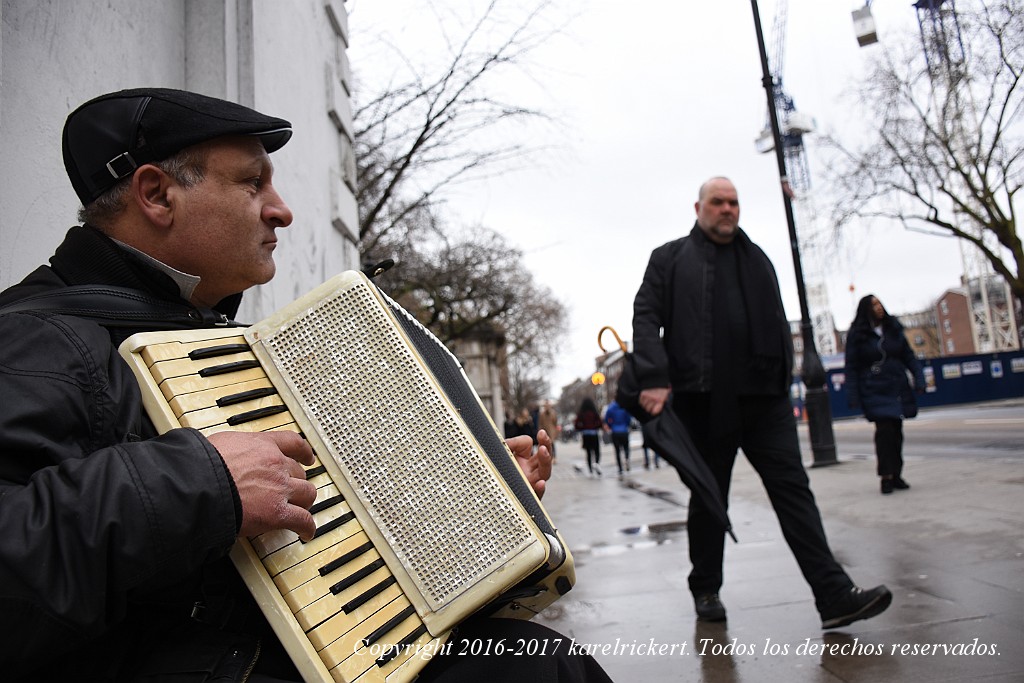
(109, 535)
(675, 300)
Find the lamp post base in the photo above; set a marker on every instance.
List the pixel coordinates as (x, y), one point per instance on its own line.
(819, 423)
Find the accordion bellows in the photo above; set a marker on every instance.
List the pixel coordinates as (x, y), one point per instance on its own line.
(425, 516)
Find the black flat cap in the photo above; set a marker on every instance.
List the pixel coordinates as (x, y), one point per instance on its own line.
(110, 136)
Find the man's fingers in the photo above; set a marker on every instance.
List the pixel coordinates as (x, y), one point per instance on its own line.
(299, 520)
(304, 493)
(293, 445)
(653, 400)
(543, 462)
(295, 470)
(270, 480)
(520, 445)
(544, 439)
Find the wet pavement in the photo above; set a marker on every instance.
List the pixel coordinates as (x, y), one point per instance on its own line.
(951, 549)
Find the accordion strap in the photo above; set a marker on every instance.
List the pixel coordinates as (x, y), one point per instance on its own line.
(120, 307)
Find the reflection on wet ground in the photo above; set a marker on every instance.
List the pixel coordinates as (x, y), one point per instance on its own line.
(950, 550)
(659, 529)
(643, 536)
(663, 494)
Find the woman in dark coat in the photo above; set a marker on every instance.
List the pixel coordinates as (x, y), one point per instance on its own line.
(878, 359)
(589, 424)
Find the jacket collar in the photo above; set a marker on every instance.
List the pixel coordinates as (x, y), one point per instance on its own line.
(88, 257)
(698, 234)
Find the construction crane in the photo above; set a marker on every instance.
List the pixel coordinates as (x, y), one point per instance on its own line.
(794, 125)
(993, 323)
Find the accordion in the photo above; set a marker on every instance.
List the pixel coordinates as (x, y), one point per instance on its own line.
(423, 516)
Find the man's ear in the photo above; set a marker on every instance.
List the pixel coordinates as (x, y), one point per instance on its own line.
(151, 192)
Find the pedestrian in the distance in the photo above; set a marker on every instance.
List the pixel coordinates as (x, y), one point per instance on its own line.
(588, 425)
(547, 419)
(879, 364)
(618, 420)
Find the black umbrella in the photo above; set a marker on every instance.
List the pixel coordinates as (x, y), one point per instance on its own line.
(669, 438)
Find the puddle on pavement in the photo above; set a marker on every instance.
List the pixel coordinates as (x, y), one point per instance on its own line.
(643, 536)
(658, 531)
(663, 495)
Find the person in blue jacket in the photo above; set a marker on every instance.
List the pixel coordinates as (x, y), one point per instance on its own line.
(879, 363)
(616, 417)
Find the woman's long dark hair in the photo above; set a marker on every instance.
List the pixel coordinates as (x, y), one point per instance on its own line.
(864, 320)
(587, 404)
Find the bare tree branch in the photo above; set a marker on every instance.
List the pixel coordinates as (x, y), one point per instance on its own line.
(422, 134)
(947, 148)
(417, 138)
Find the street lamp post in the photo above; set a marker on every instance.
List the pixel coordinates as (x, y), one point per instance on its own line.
(819, 412)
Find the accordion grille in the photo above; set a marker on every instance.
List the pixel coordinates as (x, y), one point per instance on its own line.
(427, 486)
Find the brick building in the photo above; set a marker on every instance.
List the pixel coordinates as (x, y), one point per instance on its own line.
(953, 323)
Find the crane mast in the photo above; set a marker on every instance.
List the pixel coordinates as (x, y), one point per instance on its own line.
(993, 324)
(810, 235)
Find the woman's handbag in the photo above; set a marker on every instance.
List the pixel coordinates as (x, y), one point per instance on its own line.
(908, 401)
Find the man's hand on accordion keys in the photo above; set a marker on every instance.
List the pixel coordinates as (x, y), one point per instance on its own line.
(535, 463)
(270, 480)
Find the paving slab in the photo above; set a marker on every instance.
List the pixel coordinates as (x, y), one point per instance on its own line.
(951, 550)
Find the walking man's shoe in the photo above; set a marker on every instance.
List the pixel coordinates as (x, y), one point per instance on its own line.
(856, 605)
(709, 607)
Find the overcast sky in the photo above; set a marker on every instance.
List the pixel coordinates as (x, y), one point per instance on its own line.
(653, 98)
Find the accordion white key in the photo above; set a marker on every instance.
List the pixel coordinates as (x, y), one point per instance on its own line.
(423, 516)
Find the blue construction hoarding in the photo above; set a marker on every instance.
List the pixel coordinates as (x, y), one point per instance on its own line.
(949, 380)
